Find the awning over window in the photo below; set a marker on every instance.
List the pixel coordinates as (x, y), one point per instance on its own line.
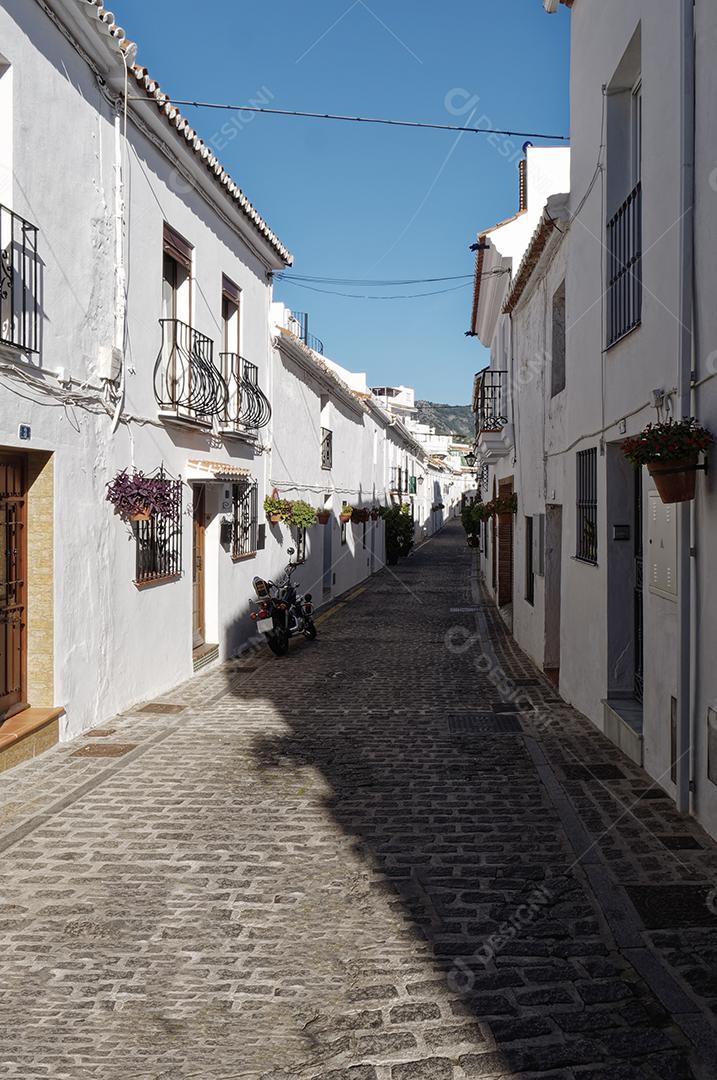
(220, 471)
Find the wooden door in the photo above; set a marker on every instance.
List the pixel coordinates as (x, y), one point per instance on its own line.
(13, 615)
(198, 567)
(505, 547)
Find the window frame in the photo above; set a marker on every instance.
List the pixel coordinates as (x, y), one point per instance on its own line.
(558, 374)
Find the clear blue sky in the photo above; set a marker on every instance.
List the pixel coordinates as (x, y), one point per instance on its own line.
(355, 201)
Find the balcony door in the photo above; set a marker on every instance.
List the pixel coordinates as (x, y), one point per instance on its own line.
(13, 615)
(176, 315)
(231, 348)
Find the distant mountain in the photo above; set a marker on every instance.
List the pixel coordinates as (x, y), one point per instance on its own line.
(456, 419)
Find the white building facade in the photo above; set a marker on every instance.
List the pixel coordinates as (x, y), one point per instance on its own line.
(612, 304)
(136, 333)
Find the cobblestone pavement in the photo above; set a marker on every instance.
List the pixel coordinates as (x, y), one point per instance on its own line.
(336, 865)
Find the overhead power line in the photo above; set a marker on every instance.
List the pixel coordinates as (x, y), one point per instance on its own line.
(398, 296)
(359, 119)
(367, 282)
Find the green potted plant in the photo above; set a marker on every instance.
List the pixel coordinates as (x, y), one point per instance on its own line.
(301, 515)
(276, 509)
(346, 512)
(671, 453)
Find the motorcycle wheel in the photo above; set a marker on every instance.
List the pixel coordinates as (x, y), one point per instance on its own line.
(278, 641)
(310, 630)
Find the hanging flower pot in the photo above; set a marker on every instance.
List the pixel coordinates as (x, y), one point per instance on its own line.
(671, 453)
(375, 515)
(276, 509)
(136, 496)
(675, 480)
(323, 516)
(346, 512)
(359, 516)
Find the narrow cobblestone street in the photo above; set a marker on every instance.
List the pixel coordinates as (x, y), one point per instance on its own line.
(338, 865)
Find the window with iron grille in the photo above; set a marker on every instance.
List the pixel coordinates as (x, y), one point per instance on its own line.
(327, 448)
(244, 520)
(586, 503)
(529, 569)
(301, 545)
(624, 267)
(159, 543)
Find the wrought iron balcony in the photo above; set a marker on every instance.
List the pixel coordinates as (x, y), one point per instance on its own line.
(19, 283)
(624, 268)
(297, 322)
(186, 381)
(491, 401)
(247, 408)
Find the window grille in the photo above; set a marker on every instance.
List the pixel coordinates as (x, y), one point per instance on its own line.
(244, 520)
(624, 267)
(586, 541)
(529, 568)
(159, 542)
(327, 448)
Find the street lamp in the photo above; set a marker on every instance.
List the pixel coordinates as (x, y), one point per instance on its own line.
(470, 459)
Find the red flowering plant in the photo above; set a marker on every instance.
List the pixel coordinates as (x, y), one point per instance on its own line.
(675, 440)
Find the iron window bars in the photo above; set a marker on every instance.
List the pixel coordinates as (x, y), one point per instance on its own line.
(186, 380)
(624, 267)
(19, 283)
(247, 407)
(327, 448)
(159, 540)
(586, 505)
(490, 415)
(244, 519)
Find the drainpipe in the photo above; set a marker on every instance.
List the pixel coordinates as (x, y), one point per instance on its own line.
(684, 390)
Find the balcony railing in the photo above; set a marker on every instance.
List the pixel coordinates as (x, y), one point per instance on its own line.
(247, 408)
(186, 380)
(491, 399)
(298, 323)
(624, 268)
(19, 283)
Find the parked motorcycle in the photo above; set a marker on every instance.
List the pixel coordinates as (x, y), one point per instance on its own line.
(282, 612)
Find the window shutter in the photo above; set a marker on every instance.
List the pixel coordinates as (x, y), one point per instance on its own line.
(230, 291)
(177, 247)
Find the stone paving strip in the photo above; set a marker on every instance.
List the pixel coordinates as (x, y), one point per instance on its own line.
(395, 854)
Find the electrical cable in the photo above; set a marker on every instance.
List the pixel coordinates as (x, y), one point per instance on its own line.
(166, 100)
(398, 296)
(367, 282)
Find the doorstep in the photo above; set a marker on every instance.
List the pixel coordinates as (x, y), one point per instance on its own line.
(623, 726)
(27, 734)
(204, 655)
